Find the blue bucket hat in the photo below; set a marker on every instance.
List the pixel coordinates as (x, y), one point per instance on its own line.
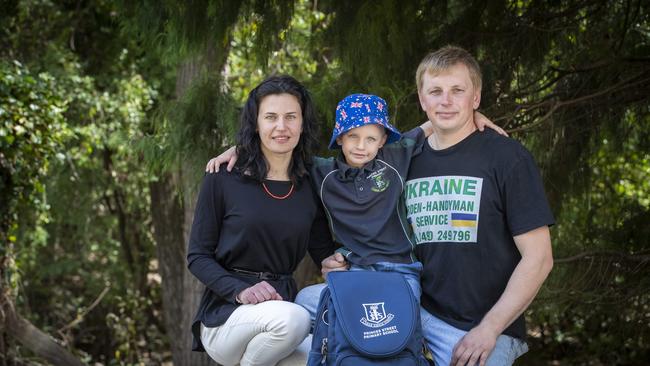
(357, 110)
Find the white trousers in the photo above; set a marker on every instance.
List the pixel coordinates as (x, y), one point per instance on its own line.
(261, 334)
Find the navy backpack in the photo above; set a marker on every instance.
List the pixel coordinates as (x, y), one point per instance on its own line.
(367, 318)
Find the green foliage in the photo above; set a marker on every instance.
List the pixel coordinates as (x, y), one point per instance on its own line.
(599, 297)
(98, 173)
(32, 132)
(75, 184)
(190, 130)
(178, 30)
(267, 18)
(137, 341)
(295, 52)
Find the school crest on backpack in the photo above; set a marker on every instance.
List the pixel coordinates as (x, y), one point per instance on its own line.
(375, 315)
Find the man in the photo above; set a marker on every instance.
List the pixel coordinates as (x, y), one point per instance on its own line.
(480, 219)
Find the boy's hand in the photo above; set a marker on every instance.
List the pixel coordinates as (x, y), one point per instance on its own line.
(229, 156)
(335, 262)
(481, 122)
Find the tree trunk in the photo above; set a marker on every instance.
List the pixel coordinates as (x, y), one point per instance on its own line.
(35, 340)
(180, 291)
(172, 204)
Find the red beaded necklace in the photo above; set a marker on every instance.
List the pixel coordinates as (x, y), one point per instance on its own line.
(277, 197)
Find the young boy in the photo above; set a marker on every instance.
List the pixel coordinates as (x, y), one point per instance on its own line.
(361, 190)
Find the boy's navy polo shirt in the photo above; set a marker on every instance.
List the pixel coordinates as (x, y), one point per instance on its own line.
(365, 206)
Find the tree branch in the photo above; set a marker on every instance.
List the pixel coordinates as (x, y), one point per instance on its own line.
(563, 103)
(34, 339)
(638, 257)
(81, 316)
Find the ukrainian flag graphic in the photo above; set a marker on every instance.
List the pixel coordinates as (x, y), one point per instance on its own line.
(463, 219)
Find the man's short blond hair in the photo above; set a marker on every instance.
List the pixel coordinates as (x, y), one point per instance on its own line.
(443, 59)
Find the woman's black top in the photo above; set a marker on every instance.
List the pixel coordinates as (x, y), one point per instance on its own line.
(237, 225)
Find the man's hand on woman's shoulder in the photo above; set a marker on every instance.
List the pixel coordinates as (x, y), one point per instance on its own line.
(229, 156)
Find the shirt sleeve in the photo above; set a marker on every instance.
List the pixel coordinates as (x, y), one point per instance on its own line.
(321, 244)
(525, 200)
(204, 238)
(399, 153)
(319, 169)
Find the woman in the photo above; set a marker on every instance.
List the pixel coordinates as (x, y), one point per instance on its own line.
(252, 228)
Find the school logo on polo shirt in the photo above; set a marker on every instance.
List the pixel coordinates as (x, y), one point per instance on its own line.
(379, 180)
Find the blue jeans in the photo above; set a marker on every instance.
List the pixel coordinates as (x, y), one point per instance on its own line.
(442, 337)
(308, 298)
(410, 271)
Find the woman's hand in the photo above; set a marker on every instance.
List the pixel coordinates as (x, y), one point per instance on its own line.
(258, 293)
(229, 156)
(481, 122)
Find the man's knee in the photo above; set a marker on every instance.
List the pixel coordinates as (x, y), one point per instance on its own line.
(506, 351)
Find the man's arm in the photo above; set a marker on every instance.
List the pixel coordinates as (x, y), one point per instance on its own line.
(427, 127)
(524, 283)
(229, 156)
(479, 120)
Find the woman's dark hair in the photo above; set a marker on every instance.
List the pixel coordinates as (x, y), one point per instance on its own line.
(251, 160)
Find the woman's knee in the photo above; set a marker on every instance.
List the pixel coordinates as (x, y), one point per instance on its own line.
(292, 322)
(286, 326)
(224, 353)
